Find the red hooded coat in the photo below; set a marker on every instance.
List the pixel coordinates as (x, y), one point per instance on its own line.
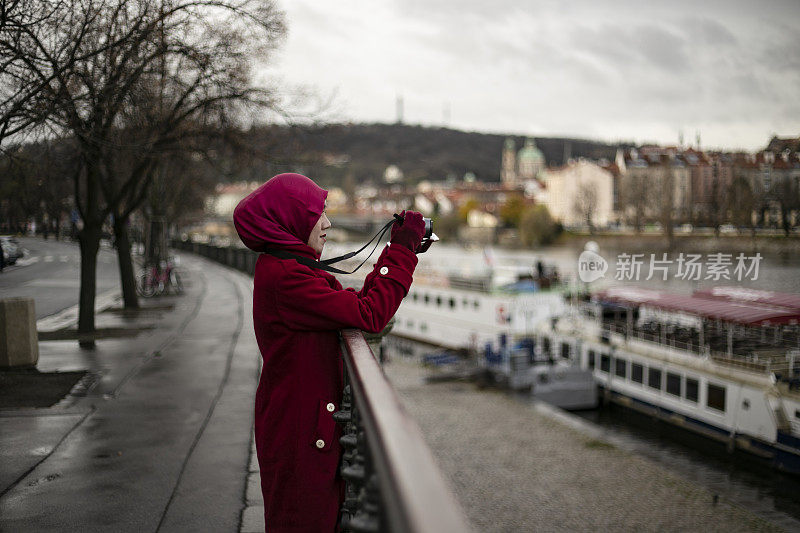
(297, 313)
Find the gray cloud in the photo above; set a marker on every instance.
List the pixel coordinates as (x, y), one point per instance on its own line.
(622, 66)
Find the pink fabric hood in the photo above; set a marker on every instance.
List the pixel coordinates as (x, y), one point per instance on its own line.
(280, 214)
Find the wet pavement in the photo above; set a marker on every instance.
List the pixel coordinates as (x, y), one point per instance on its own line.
(49, 272)
(160, 439)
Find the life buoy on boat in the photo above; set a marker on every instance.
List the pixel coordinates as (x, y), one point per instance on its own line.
(502, 315)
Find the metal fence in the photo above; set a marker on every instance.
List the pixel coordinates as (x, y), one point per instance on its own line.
(392, 481)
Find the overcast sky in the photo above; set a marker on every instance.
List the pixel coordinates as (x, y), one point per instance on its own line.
(640, 71)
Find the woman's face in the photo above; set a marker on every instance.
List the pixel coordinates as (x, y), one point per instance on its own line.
(317, 238)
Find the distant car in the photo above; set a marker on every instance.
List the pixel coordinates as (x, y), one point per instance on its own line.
(11, 249)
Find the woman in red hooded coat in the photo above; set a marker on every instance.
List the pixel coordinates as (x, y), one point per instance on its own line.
(297, 312)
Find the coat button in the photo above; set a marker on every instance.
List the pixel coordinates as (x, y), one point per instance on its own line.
(320, 443)
(384, 271)
(330, 407)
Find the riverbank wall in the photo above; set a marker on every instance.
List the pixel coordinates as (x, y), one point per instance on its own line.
(651, 243)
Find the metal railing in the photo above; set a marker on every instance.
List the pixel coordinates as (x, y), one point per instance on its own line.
(392, 481)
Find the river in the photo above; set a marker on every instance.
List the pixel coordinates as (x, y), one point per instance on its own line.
(759, 489)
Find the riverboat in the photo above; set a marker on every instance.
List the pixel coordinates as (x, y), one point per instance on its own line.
(723, 363)
(521, 367)
(456, 311)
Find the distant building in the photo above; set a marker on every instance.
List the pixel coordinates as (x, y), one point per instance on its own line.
(227, 196)
(508, 171)
(654, 186)
(579, 194)
(530, 161)
(392, 174)
(519, 167)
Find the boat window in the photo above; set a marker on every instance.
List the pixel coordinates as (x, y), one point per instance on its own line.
(427, 299)
(715, 397)
(654, 378)
(673, 384)
(452, 303)
(476, 304)
(423, 326)
(591, 359)
(605, 362)
(621, 367)
(797, 413)
(464, 302)
(692, 390)
(410, 323)
(438, 301)
(745, 404)
(414, 296)
(546, 346)
(637, 373)
(564, 350)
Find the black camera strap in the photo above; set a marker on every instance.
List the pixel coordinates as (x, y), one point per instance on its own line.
(326, 264)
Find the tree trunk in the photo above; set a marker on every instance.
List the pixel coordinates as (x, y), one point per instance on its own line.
(126, 272)
(785, 220)
(89, 238)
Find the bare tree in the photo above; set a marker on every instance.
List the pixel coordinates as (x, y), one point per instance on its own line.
(131, 80)
(635, 194)
(742, 203)
(585, 204)
(786, 191)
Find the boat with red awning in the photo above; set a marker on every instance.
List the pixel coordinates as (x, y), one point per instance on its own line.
(721, 363)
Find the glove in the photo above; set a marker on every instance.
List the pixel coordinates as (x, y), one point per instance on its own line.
(409, 232)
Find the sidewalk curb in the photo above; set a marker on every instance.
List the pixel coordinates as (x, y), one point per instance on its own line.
(69, 316)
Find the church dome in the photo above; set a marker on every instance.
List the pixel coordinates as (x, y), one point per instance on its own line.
(529, 152)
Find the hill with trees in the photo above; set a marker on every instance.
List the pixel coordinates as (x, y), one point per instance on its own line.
(332, 152)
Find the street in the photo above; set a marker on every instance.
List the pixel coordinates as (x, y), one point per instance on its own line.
(50, 274)
(159, 439)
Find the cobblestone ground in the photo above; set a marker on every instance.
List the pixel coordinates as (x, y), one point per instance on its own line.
(515, 469)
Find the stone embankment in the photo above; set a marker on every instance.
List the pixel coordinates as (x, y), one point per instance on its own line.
(515, 467)
(687, 242)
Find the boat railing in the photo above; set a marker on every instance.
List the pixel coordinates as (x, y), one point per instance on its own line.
(666, 340)
(776, 363)
(392, 480)
(779, 366)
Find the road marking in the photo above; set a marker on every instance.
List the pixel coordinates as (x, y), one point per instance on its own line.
(64, 258)
(48, 259)
(54, 283)
(28, 261)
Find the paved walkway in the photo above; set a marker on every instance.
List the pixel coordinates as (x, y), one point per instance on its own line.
(161, 441)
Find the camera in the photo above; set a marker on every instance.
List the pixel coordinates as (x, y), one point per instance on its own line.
(428, 227)
(428, 238)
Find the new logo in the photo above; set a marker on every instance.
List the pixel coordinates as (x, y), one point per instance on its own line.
(591, 265)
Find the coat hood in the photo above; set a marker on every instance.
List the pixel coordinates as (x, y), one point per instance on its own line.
(280, 214)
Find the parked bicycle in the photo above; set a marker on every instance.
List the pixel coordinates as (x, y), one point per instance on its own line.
(158, 279)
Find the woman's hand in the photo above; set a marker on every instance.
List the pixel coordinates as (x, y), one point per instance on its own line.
(409, 232)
